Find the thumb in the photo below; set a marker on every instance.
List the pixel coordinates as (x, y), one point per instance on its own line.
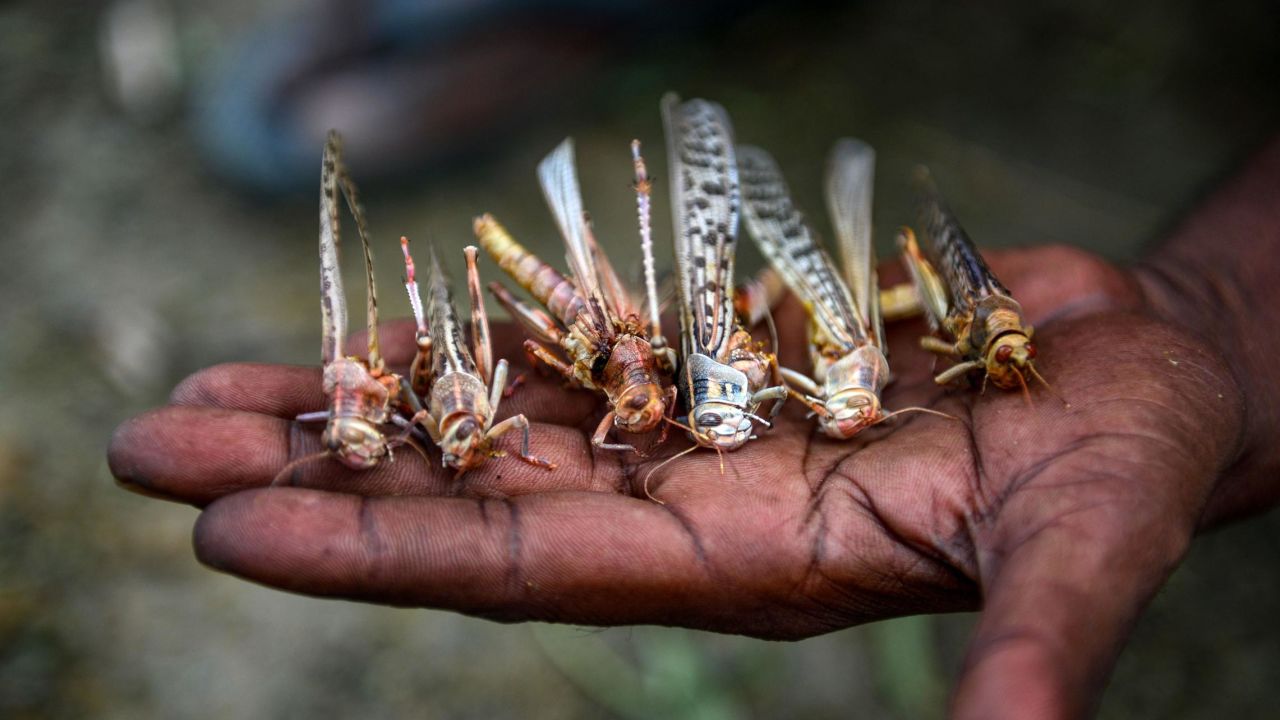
(1060, 599)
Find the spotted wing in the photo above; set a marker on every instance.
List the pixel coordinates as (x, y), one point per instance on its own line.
(559, 179)
(352, 195)
(705, 207)
(949, 250)
(850, 180)
(790, 245)
(333, 300)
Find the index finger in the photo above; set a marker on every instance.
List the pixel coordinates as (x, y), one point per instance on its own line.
(569, 556)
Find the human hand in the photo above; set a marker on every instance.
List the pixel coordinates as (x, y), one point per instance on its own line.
(1059, 522)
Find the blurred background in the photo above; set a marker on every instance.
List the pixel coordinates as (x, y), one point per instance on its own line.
(158, 169)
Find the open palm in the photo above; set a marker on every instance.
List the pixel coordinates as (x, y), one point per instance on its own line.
(1059, 521)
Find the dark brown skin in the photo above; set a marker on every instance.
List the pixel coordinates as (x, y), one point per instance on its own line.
(1060, 524)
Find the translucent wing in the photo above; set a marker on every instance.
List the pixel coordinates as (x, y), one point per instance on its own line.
(929, 287)
(789, 244)
(705, 206)
(850, 179)
(559, 180)
(333, 301)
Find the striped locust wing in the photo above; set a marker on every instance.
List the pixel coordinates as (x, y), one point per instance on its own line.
(705, 207)
(950, 252)
(850, 180)
(334, 179)
(789, 244)
(333, 299)
(449, 352)
(558, 176)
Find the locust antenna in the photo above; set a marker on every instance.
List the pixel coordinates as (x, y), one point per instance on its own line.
(288, 469)
(1026, 392)
(905, 410)
(643, 190)
(661, 465)
(1047, 386)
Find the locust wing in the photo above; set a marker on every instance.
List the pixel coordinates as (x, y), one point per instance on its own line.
(949, 250)
(558, 177)
(333, 303)
(333, 300)
(705, 207)
(788, 242)
(849, 184)
(449, 352)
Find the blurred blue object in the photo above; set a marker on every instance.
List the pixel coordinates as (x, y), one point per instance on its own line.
(408, 82)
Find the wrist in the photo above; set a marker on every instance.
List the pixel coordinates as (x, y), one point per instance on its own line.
(1217, 279)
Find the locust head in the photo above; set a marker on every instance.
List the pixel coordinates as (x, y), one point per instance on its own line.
(640, 408)
(463, 442)
(721, 425)
(358, 443)
(1009, 361)
(849, 411)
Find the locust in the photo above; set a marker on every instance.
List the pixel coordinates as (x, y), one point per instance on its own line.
(363, 394)
(604, 340)
(983, 324)
(462, 387)
(846, 333)
(725, 375)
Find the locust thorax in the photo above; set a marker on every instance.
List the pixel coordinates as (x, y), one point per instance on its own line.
(463, 442)
(852, 387)
(641, 403)
(358, 405)
(720, 425)
(358, 443)
(718, 399)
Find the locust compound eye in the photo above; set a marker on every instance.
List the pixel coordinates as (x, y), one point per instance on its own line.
(709, 419)
(1031, 351)
(637, 402)
(1004, 353)
(465, 429)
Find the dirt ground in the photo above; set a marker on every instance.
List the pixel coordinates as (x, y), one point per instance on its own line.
(126, 264)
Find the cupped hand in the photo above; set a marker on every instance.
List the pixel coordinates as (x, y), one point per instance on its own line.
(1059, 521)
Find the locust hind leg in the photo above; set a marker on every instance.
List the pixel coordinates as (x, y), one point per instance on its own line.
(421, 416)
(420, 369)
(521, 422)
(539, 355)
(930, 289)
(939, 346)
(481, 347)
(539, 324)
(900, 302)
